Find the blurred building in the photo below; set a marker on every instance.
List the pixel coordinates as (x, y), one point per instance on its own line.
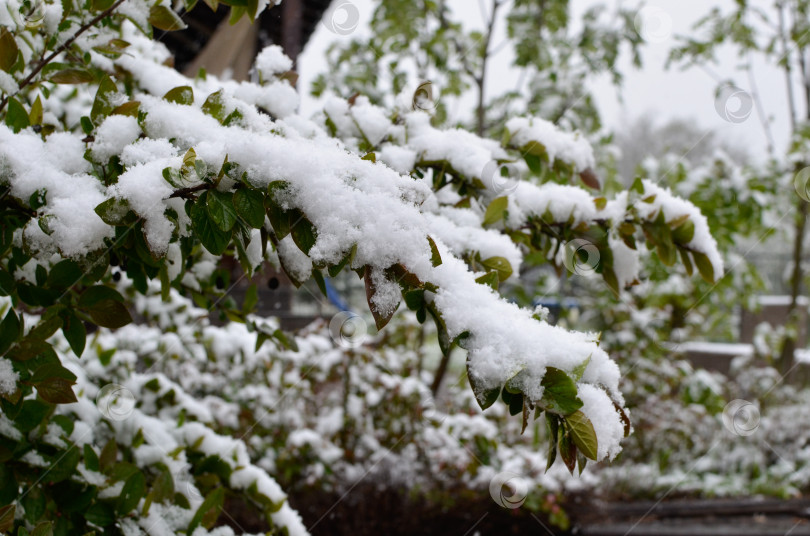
(211, 43)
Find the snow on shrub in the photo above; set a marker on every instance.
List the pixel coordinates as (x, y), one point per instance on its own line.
(109, 157)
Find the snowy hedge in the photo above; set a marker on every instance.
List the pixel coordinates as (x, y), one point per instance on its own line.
(111, 158)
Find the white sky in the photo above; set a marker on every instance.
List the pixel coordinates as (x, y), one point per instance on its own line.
(663, 94)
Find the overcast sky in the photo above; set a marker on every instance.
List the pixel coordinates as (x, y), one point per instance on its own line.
(664, 94)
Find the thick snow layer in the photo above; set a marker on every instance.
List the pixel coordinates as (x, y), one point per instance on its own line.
(571, 148)
(113, 135)
(8, 377)
(272, 60)
(674, 208)
(386, 214)
(55, 168)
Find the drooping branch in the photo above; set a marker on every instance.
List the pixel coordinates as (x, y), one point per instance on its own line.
(64, 46)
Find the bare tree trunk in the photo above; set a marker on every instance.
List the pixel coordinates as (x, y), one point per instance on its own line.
(482, 77)
(786, 358)
(440, 372)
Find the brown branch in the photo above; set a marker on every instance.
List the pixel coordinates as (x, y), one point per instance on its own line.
(187, 193)
(42, 63)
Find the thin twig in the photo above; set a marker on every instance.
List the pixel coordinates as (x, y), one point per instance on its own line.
(42, 63)
(187, 193)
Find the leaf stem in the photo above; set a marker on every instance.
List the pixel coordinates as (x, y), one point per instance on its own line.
(64, 46)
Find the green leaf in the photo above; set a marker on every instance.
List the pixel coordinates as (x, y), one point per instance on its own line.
(132, 492)
(221, 210)
(72, 76)
(319, 280)
(45, 328)
(64, 275)
(130, 109)
(496, 210)
(64, 465)
(9, 331)
(164, 18)
(535, 148)
(559, 392)
(484, 397)
(435, 257)
(687, 262)
(109, 455)
(582, 461)
(103, 103)
(553, 429)
(499, 265)
(52, 370)
(163, 487)
(180, 95)
(100, 514)
(56, 391)
(347, 261)
(214, 106)
(302, 230)
(684, 233)
(516, 404)
(535, 164)
(489, 278)
(34, 504)
(91, 458)
(113, 211)
(579, 370)
(209, 510)
(415, 299)
(8, 50)
(212, 237)
(7, 283)
(380, 319)
(568, 450)
(35, 115)
(249, 205)
(110, 314)
(98, 293)
(9, 487)
(637, 186)
(445, 343)
(704, 266)
(583, 434)
(16, 116)
(101, 5)
(7, 517)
